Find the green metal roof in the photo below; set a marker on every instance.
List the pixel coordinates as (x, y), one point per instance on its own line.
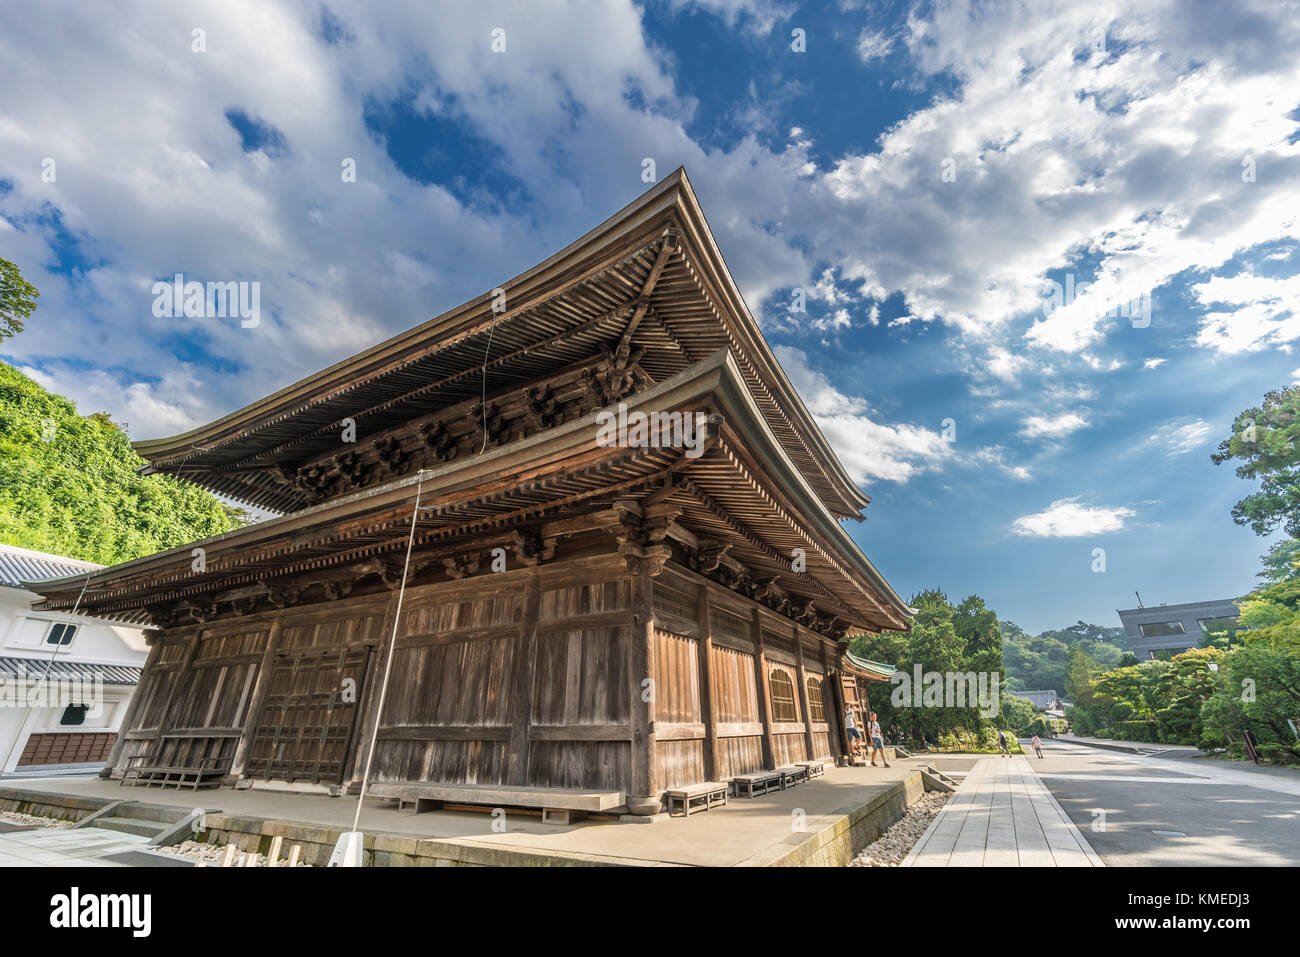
(877, 669)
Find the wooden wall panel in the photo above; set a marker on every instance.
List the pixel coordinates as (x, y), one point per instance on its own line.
(677, 679)
(306, 630)
(580, 764)
(789, 748)
(212, 696)
(580, 678)
(431, 616)
(680, 762)
(154, 691)
(586, 599)
(822, 744)
(441, 762)
(736, 694)
(460, 683)
(740, 755)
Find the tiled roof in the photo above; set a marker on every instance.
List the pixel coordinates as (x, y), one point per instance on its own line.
(18, 565)
(63, 670)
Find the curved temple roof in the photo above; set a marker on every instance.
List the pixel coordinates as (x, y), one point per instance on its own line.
(648, 284)
(586, 297)
(545, 479)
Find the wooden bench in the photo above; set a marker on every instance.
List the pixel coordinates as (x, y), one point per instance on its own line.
(755, 782)
(815, 768)
(791, 775)
(697, 797)
(558, 805)
(208, 773)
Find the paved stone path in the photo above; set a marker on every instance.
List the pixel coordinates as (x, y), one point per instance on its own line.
(1002, 816)
(65, 847)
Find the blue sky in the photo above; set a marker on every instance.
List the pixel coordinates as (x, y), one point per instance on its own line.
(922, 172)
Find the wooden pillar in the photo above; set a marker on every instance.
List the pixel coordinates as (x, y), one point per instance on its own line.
(764, 702)
(642, 798)
(521, 683)
(261, 688)
(834, 705)
(704, 652)
(132, 709)
(803, 693)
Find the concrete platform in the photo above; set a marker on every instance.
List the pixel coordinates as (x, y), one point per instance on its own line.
(1002, 816)
(820, 822)
(65, 847)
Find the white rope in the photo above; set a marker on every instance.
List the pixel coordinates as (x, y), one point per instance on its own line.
(392, 645)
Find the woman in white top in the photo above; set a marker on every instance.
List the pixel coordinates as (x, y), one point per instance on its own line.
(877, 740)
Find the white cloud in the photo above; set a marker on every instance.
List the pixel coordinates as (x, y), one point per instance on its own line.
(874, 45)
(1052, 427)
(869, 449)
(1066, 518)
(164, 408)
(1261, 312)
(1005, 365)
(1153, 363)
(1130, 161)
(1180, 439)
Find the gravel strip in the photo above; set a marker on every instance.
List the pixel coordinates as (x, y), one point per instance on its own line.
(892, 847)
(13, 817)
(212, 854)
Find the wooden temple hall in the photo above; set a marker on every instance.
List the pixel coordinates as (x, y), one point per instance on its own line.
(580, 615)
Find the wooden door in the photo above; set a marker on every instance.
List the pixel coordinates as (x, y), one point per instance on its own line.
(307, 725)
(855, 698)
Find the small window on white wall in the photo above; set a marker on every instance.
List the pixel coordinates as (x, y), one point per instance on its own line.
(60, 634)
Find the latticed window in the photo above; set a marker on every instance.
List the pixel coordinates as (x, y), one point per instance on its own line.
(782, 688)
(816, 707)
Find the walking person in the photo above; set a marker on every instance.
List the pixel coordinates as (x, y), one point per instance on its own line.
(851, 726)
(1002, 744)
(877, 740)
(1037, 746)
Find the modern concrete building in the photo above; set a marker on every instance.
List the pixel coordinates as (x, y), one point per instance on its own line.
(1162, 631)
(65, 680)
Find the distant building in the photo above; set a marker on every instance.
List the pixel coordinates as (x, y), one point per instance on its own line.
(65, 681)
(1162, 631)
(1042, 700)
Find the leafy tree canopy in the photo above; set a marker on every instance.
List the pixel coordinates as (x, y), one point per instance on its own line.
(1264, 440)
(69, 485)
(17, 299)
(1282, 561)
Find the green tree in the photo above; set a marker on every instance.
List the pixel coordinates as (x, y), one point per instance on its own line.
(1019, 716)
(1264, 439)
(1184, 688)
(1282, 561)
(935, 644)
(17, 299)
(69, 484)
(1258, 690)
(1271, 616)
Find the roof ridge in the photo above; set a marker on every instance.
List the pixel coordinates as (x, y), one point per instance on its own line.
(47, 556)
